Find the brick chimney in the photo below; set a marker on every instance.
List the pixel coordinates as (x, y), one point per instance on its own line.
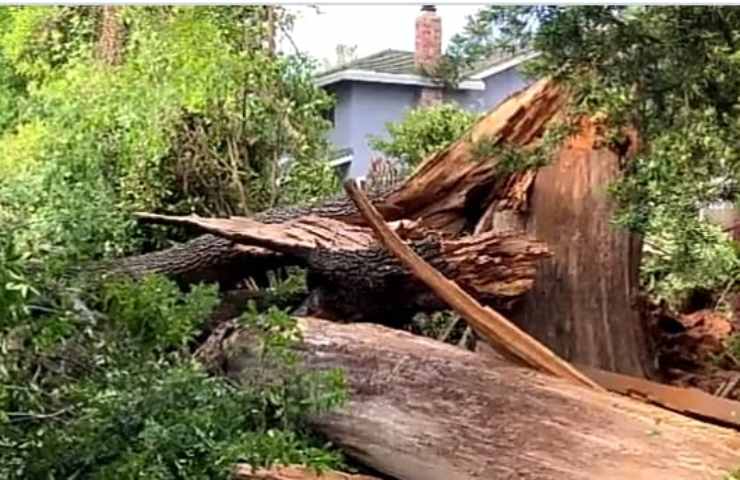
(428, 50)
(428, 44)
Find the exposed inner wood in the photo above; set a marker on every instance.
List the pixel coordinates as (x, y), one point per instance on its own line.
(291, 472)
(423, 410)
(494, 327)
(584, 303)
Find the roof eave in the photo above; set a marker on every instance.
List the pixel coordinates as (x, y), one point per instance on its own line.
(393, 78)
(502, 67)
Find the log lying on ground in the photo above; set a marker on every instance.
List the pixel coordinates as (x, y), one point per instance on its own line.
(207, 258)
(423, 410)
(355, 276)
(448, 192)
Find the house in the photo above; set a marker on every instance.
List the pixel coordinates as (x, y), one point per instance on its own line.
(379, 88)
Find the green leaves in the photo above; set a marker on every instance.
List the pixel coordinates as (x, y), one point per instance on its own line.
(97, 381)
(155, 313)
(671, 73)
(423, 131)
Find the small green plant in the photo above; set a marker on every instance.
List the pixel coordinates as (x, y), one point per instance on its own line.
(155, 312)
(423, 131)
(15, 287)
(120, 400)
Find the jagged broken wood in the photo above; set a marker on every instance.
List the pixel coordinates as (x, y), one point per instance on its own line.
(291, 472)
(423, 410)
(494, 327)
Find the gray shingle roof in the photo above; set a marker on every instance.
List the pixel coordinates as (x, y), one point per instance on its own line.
(386, 61)
(402, 62)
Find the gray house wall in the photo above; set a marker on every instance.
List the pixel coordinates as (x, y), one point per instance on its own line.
(364, 108)
(498, 87)
(341, 135)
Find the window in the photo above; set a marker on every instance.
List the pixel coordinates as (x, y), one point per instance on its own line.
(342, 161)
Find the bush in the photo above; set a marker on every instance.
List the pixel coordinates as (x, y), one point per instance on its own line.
(423, 131)
(121, 400)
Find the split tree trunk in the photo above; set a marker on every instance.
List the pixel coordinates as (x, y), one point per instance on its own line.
(423, 410)
(584, 302)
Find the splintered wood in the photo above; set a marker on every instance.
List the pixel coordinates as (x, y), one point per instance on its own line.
(292, 472)
(495, 328)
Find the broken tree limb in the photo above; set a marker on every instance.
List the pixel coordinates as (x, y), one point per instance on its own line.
(207, 258)
(494, 327)
(688, 401)
(357, 279)
(423, 410)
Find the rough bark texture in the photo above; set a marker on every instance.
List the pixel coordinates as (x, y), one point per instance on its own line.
(584, 302)
(423, 410)
(112, 36)
(356, 278)
(204, 259)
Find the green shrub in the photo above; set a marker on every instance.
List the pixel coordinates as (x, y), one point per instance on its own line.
(155, 313)
(108, 403)
(423, 131)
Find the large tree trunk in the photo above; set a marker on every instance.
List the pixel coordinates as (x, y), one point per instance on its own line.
(423, 410)
(584, 302)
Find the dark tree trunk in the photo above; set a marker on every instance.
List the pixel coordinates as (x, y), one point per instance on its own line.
(357, 280)
(204, 259)
(423, 410)
(584, 301)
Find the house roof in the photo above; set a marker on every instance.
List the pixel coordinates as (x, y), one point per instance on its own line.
(397, 66)
(386, 61)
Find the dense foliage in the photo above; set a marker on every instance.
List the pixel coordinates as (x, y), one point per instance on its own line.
(104, 111)
(673, 74)
(196, 117)
(114, 393)
(422, 131)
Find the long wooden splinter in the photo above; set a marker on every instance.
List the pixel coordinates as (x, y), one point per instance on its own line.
(491, 325)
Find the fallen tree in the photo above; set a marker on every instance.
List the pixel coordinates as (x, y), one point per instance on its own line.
(423, 410)
(590, 283)
(354, 276)
(447, 193)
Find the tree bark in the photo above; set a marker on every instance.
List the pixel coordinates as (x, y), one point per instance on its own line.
(204, 259)
(357, 279)
(584, 302)
(112, 36)
(423, 410)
